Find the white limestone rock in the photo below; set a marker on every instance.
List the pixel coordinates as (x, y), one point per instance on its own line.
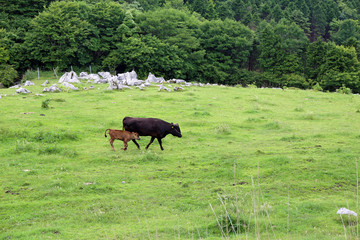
(105, 75)
(23, 90)
(28, 83)
(162, 87)
(45, 83)
(52, 88)
(345, 211)
(69, 85)
(178, 89)
(15, 86)
(69, 77)
(152, 79)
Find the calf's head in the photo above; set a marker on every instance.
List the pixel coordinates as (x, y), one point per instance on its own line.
(135, 135)
(175, 130)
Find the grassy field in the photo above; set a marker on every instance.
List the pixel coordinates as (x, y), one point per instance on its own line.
(277, 163)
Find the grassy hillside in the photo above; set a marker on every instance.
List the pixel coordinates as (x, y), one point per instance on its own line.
(280, 163)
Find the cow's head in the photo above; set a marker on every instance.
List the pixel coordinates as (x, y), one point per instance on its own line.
(175, 130)
(135, 135)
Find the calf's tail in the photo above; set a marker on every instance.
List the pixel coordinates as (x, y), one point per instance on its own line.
(106, 131)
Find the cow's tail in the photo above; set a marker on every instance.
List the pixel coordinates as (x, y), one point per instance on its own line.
(106, 131)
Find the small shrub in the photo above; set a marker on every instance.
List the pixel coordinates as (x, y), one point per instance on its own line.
(45, 103)
(294, 80)
(317, 87)
(7, 75)
(344, 90)
(29, 75)
(252, 85)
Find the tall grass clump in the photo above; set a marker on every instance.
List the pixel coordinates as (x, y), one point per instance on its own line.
(223, 129)
(244, 213)
(6, 133)
(54, 136)
(23, 146)
(149, 156)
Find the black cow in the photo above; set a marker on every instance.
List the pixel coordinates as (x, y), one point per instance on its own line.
(154, 127)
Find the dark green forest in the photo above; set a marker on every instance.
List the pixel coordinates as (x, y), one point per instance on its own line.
(301, 43)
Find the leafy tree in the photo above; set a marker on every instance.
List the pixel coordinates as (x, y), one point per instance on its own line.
(281, 47)
(106, 18)
(228, 45)
(7, 73)
(147, 54)
(62, 36)
(316, 57)
(205, 7)
(343, 30)
(318, 22)
(176, 28)
(341, 67)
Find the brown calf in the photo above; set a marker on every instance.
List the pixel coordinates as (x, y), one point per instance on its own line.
(124, 136)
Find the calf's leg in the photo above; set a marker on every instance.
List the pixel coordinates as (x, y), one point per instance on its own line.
(111, 143)
(152, 139)
(125, 145)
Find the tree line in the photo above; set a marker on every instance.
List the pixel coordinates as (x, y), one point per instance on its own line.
(269, 43)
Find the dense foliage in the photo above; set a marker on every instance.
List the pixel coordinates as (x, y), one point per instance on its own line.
(270, 43)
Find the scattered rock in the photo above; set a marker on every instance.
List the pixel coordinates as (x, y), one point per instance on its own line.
(53, 88)
(344, 211)
(178, 88)
(152, 79)
(163, 88)
(84, 75)
(105, 75)
(69, 85)
(28, 83)
(15, 86)
(69, 77)
(45, 83)
(23, 90)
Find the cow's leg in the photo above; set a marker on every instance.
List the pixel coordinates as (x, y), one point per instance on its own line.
(136, 143)
(151, 141)
(125, 145)
(159, 140)
(111, 143)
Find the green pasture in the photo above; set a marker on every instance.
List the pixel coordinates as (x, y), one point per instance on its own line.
(252, 164)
